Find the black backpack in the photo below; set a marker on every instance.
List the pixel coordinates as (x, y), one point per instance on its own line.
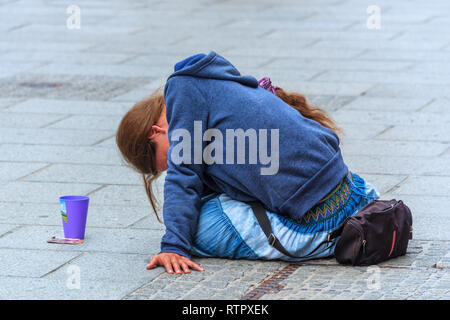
(379, 231)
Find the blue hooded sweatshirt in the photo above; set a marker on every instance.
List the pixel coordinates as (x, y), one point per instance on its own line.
(208, 92)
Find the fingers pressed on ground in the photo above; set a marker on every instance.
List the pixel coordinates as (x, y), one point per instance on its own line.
(195, 266)
(176, 266)
(152, 263)
(168, 266)
(185, 267)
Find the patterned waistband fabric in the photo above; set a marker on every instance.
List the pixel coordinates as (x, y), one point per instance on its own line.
(228, 228)
(329, 206)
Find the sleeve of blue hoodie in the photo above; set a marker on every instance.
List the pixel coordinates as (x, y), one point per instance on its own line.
(183, 187)
(183, 184)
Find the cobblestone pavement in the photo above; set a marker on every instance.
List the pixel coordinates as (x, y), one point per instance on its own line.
(63, 92)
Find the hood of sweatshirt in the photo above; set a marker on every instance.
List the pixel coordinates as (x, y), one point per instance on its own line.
(211, 66)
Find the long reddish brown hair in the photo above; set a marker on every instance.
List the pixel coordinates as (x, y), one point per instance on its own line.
(139, 152)
(134, 145)
(299, 103)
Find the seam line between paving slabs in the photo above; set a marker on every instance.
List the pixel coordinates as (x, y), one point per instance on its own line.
(131, 225)
(396, 186)
(104, 139)
(96, 189)
(33, 172)
(389, 127)
(11, 231)
(56, 121)
(62, 265)
(425, 105)
(442, 153)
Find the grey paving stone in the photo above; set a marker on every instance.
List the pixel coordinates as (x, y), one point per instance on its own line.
(62, 85)
(109, 70)
(420, 36)
(386, 104)
(390, 117)
(435, 67)
(142, 91)
(242, 62)
(23, 288)
(88, 33)
(5, 228)
(83, 173)
(96, 240)
(398, 165)
(360, 284)
(426, 205)
(109, 266)
(61, 154)
(298, 23)
(337, 64)
(394, 148)
(122, 195)
(65, 57)
(44, 46)
(51, 106)
(134, 96)
(293, 74)
(6, 103)
(291, 34)
(202, 285)
(329, 103)
(30, 213)
(107, 143)
(437, 106)
(385, 45)
(10, 171)
(324, 88)
(21, 191)
(383, 183)
(359, 131)
(437, 132)
(428, 216)
(88, 122)
(415, 185)
(444, 263)
(422, 91)
(290, 52)
(405, 55)
(52, 136)
(399, 77)
(98, 215)
(20, 120)
(32, 263)
(10, 69)
(149, 222)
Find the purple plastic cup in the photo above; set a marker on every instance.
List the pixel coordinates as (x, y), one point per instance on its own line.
(74, 211)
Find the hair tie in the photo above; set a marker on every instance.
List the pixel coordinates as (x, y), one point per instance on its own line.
(267, 84)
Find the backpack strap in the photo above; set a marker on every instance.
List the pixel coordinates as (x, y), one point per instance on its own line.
(264, 222)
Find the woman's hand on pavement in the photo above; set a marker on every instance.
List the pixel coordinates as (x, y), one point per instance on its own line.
(173, 262)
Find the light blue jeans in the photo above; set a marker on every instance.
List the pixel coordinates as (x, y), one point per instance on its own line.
(228, 228)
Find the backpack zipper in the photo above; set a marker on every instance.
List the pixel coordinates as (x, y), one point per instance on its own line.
(394, 234)
(361, 232)
(386, 209)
